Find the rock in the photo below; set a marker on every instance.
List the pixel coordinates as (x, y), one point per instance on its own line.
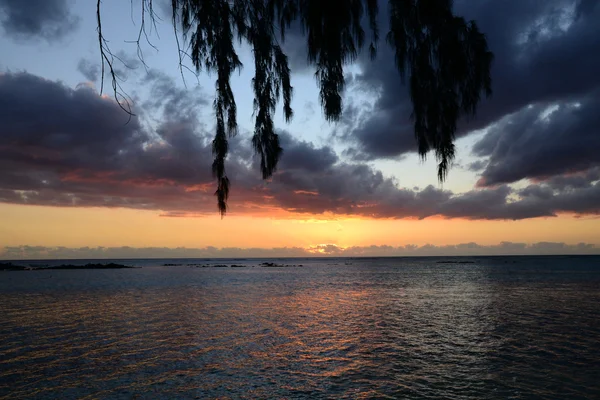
(12, 267)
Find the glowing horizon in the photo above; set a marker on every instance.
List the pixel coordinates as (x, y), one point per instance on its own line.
(93, 227)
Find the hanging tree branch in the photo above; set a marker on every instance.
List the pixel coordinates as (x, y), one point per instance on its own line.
(107, 60)
(445, 58)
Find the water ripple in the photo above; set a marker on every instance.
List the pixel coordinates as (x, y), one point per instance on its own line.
(385, 329)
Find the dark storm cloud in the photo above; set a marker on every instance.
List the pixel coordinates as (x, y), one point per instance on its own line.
(305, 156)
(477, 166)
(358, 189)
(574, 181)
(525, 145)
(72, 147)
(577, 201)
(387, 133)
(43, 19)
(546, 52)
(65, 147)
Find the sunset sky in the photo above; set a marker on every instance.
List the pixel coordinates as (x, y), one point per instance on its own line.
(77, 180)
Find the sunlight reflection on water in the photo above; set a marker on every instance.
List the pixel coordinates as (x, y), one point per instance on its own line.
(385, 329)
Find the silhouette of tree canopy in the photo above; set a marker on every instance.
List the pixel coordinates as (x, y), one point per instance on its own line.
(445, 59)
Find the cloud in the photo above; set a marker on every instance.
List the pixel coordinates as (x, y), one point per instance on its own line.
(574, 181)
(42, 19)
(301, 155)
(545, 53)
(530, 144)
(60, 252)
(325, 250)
(125, 66)
(73, 148)
(90, 70)
(358, 189)
(477, 166)
(69, 147)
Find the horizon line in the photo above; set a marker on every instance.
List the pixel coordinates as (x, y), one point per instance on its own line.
(311, 257)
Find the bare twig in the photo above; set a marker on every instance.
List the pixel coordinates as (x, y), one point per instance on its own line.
(107, 59)
(179, 51)
(146, 7)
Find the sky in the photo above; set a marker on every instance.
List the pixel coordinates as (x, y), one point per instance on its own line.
(79, 179)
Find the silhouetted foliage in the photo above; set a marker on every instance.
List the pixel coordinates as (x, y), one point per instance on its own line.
(445, 58)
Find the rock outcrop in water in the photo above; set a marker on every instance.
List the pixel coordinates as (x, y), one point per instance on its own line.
(90, 266)
(455, 262)
(14, 267)
(264, 264)
(275, 265)
(218, 266)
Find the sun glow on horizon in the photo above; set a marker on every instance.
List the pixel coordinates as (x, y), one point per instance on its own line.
(76, 227)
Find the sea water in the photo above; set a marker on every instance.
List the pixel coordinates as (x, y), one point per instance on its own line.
(492, 328)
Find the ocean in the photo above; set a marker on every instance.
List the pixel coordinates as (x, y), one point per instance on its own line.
(397, 328)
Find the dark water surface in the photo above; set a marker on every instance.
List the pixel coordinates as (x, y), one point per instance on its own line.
(501, 328)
